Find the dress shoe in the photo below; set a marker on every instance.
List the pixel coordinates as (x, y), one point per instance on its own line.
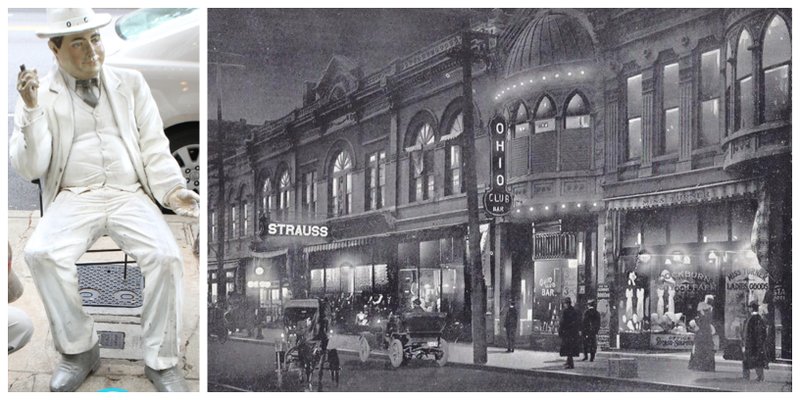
(167, 380)
(569, 367)
(73, 369)
(584, 359)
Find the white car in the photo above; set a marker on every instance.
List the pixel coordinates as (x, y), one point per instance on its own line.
(163, 44)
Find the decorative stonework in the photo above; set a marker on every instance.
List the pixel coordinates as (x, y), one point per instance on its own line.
(574, 186)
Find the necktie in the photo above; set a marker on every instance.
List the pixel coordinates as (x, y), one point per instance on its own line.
(85, 89)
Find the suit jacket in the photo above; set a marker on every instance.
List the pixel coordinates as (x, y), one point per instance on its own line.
(40, 149)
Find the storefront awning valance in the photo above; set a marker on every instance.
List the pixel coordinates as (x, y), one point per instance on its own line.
(341, 244)
(698, 194)
(269, 254)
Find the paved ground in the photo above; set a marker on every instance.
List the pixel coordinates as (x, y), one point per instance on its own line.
(667, 372)
(249, 365)
(29, 369)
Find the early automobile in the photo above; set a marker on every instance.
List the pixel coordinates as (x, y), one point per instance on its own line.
(303, 349)
(411, 335)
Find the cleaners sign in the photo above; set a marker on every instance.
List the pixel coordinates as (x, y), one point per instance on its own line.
(497, 201)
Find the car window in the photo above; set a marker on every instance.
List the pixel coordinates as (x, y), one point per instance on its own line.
(143, 20)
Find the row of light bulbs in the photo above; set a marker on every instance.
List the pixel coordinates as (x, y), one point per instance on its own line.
(530, 81)
(548, 208)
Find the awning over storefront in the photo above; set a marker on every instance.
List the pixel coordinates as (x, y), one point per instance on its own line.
(269, 254)
(698, 194)
(368, 240)
(340, 244)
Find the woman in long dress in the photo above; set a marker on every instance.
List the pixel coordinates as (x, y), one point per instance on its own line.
(702, 357)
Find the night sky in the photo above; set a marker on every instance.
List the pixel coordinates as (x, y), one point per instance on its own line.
(283, 48)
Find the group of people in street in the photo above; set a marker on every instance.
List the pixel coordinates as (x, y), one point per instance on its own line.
(579, 333)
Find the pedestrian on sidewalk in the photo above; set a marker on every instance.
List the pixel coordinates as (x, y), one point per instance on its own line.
(512, 317)
(754, 339)
(569, 332)
(591, 325)
(702, 356)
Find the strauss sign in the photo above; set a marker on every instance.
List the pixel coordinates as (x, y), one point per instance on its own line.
(497, 201)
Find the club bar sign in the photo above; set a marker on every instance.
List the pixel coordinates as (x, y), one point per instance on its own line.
(497, 201)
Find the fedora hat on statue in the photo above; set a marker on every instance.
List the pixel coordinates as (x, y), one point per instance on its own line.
(66, 21)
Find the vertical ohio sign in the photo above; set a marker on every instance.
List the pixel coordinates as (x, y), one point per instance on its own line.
(497, 201)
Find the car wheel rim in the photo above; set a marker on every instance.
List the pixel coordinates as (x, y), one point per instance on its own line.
(188, 158)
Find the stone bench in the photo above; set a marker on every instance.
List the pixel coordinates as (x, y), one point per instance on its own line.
(623, 368)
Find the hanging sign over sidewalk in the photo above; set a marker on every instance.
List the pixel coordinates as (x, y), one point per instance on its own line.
(497, 201)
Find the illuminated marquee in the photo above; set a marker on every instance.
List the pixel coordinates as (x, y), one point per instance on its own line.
(287, 229)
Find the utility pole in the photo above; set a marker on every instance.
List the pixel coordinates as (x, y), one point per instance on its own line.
(220, 160)
(478, 292)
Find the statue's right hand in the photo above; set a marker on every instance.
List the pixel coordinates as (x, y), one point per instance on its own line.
(28, 86)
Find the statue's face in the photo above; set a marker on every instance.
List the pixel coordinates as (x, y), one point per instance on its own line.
(81, 54)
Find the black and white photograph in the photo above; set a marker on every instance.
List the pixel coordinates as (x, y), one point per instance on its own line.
(560, 200)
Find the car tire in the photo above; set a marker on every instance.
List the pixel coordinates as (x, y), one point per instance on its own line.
(184, 145)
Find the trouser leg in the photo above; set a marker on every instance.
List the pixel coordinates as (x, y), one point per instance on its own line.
(745, 373)
(760, 374)
(20, 329)
(138, 227)
(68, 228)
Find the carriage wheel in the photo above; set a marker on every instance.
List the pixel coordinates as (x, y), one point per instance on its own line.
(396, 356)
(363, 348)
(441, 360)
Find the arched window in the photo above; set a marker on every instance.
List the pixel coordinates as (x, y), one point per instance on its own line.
(520, 138)
(745, 100)
(522, 127)
(577, 114)
(243, 212)
(284, 191)
(341, 185)
(775, 65)
(454, 176)
(234, 219)
(545, 117)
(267, 196)
(422, 166)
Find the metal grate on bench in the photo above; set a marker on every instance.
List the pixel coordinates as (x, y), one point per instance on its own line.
(110, 285)
(112, 340)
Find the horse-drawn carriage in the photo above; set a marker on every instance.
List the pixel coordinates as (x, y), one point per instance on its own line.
(303, 349)
(416, 334)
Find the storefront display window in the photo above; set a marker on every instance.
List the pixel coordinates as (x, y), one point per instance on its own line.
(554, 280)
(381, 277)
(363, 278)
(634, 295)
(745, 280)
(317, 282)
(409, 286)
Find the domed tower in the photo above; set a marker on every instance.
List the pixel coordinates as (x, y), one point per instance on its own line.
(550, 90)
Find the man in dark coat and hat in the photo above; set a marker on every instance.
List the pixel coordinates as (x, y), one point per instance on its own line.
(569, 332)
(591, 325)
(510, 323)
(754, 339)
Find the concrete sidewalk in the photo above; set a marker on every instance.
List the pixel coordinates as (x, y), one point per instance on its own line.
(667, 371)
(29, 369)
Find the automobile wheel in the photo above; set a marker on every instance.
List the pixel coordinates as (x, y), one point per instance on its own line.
(441, 360)
(396, 356)
(184, 145)
(363, 348)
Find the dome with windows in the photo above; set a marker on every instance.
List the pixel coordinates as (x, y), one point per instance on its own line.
(552, 39)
